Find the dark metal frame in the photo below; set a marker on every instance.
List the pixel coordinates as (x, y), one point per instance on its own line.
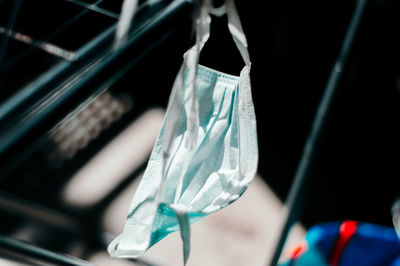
(295, 199)
(24, 116)
(35, 109)
(35, 252)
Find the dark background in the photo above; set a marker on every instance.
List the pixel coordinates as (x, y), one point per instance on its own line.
(293, 46)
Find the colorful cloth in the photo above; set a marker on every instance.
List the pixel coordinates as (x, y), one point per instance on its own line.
(347, 243)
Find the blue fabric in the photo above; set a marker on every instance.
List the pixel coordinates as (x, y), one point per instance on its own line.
(370, 245)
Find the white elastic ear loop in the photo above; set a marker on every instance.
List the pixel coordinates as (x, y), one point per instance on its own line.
(218, 11)
(189, 97)
(202, 27)
(235, 27)
(128, 10)
(191, 58)
(178, 95)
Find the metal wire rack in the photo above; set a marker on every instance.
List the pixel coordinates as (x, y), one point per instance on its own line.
(57, 74)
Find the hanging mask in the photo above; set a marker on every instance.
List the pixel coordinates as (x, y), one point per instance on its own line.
(206, 152)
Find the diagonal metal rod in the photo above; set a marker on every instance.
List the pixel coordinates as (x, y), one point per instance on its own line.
(32, 251)
(10, 24)
(46, 44)
(295, 197)
(35, 212)
(94, 7)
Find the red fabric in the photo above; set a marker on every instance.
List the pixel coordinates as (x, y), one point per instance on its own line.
(346, 231)
(298, 250)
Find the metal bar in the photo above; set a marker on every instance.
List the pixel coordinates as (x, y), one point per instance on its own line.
(27, 118)
(10, 24)
(47, 40)
(45, 46)
(95, 8)
(16, 103)
(293, 203)
(28, 209)
(40, 253)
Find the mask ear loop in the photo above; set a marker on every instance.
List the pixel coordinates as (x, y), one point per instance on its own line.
(186, 77)
(218, 11)
(245, 103)
(187, 92)
(128, 10)
(236, 29)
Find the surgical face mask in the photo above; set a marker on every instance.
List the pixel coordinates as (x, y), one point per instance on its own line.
(206, 152)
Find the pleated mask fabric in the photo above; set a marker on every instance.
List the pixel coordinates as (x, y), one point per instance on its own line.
(206, 153)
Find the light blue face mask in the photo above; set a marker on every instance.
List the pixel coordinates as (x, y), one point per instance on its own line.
(206, 153)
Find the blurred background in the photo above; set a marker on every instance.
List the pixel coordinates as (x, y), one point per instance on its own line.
(78, 121)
